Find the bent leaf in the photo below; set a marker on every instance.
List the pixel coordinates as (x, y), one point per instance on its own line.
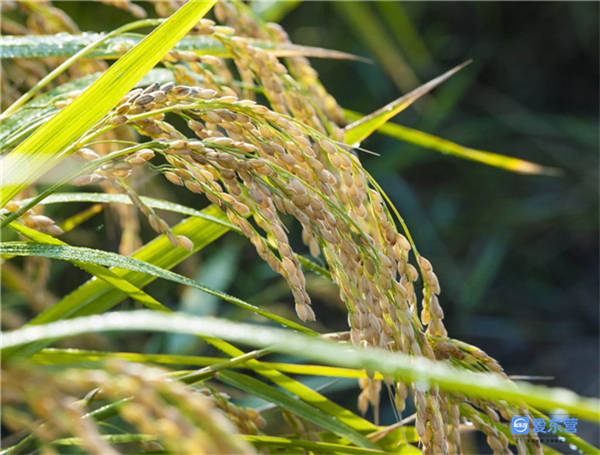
(359, 130)
(301, 409)
(94, 269)
(299, 389)
(94, 257)
(160, 204)
(430, 141)
(391, 364)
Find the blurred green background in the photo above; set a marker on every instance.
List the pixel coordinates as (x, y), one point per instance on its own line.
(517, 256)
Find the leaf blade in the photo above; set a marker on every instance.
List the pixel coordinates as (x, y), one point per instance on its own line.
(300, 408)
(48, 145)
(445, 146)
(392, 364)
(359, 130)
(109, 259)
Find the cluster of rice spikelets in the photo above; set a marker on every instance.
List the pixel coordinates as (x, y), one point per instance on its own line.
(260, 161)
(178, 418)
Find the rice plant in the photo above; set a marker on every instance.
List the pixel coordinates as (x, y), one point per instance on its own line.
(233, 112)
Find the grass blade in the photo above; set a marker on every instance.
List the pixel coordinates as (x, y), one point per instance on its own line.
(52, 142)
(301, 445)
(359, 130)
(300, 408)
(430, 141)
(392, 364)
(94, 257)
(42, 46)
(96, 270)
(299, 389)
(29, 45)
(160, 204)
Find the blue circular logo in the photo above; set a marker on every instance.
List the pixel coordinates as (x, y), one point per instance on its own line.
(519, 425)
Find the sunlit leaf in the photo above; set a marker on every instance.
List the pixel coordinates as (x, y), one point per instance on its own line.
(359, 130)
(301, 409)
(54, 140)
(95, 257)
(430, 141)
(65, 45)
(392, 364)
(96, 270)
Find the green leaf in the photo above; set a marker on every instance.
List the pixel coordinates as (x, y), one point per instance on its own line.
(359, 130)
(52, 356)
(61, 356)
(94, 257)
(160, 204)
(84, 51)
(301, 409)
(300, 444)
(54, 140)
(95, 296)
(95, 269)
(299, 389)
(260, 441)
(65, 45)
(390, 364)
(430, 141)
(22, 122)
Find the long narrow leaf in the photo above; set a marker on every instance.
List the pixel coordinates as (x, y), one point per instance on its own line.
(160, 204)
(96, 296)
(359, 130)
(86, 50)
(48, 145)
(485, 385)
(95, 269)
(299, 389)
(64, 45)
(430, 141)
(104, 258)
(301, 409)
(62, 356)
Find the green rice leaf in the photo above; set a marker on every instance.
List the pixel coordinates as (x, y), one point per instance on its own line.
(95, 269)
(300, 408)
(26, 119)
(303, 445)
(55, 140)
(95, 296)
(160, 204)
(51, 356)
(359, 130)
(95, 257)
(66, 45)
(430, 141)
(299, 389)
(391, 364)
